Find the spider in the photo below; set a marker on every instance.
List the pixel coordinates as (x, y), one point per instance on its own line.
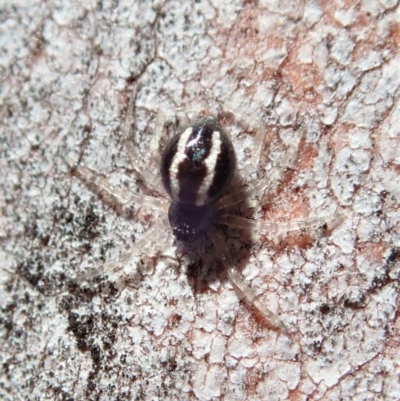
(198, 172)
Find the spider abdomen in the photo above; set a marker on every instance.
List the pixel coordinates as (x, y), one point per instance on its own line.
(198, 164)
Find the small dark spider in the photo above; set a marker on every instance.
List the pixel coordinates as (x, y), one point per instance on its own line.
(198, 166)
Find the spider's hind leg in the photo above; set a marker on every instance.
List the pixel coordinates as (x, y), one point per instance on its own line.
(330, 222)
(151, 241)
(238, 280)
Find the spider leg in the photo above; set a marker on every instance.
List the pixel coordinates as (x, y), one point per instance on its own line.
(154, 235)
(161, 119)
(244, 193)
(270, 180)
(239, 282)
(202, 250)
(252, 165)
(279, 228)
(151, 179)
(101, 185)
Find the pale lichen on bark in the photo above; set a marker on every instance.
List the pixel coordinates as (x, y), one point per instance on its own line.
(324, 72)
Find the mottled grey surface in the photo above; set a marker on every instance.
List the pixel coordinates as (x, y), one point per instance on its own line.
(321, 75)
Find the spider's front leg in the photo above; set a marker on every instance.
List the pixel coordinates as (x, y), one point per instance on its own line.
(272, 177)
(262, 227)
(102, 186)
(151, 179)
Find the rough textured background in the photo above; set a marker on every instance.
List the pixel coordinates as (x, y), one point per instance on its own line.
(327, 69)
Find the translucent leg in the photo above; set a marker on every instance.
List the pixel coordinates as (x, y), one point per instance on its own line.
(278, 228)
(270, 181)
(258, 146)
(152, 180)
(161, 118)
(272, 178)
(155, 235)
(244, 193)
(239, 282)
(240, 222)
(101, 185)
